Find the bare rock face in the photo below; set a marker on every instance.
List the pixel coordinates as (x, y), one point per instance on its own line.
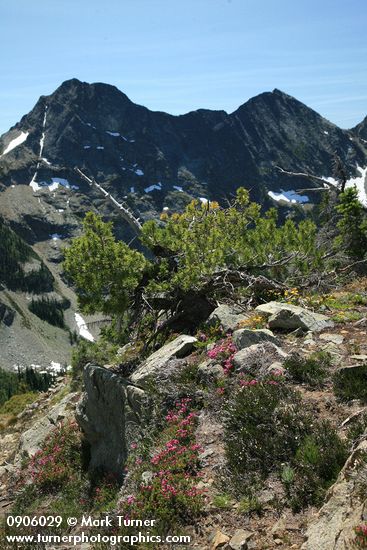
(290, 317)
(345, 508)
(110, 415)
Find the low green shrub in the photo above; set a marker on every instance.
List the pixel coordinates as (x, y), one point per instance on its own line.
(269, 432)
(351, 383)
(17, 403)
(223, 502)
(250, 504)
(265, 422)
(98, 353)
(311, 370)
(347, 317)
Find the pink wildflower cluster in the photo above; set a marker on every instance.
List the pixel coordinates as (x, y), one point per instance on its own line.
(276, 377)
(361, 535)
(173, 467)
(55, 463)
(224, 352)
(254, 382)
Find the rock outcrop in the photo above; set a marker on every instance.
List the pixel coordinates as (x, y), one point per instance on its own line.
(110, 415)
(244, 338)
(31, 440)
(114, 409)
(7, 315)
(227, 317)
(289, 317)
(179, 347)
(345, 508)
(257, 360)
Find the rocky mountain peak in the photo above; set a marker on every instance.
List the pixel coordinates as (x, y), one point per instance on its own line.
(155, 161)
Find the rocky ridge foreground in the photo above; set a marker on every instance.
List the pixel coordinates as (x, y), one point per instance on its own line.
(115, 408)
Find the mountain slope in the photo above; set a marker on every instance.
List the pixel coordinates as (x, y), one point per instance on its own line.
(156, 159)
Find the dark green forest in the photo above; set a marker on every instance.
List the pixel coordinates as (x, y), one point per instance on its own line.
(14, 253)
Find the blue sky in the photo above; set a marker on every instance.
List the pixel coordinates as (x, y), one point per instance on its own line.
(180, 55)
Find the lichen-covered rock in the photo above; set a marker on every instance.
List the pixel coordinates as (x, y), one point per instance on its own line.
(345, 508)
(227, 317)
(289, 317)
(151, 367)
(246, 337)
(257, 359)
(110, 414)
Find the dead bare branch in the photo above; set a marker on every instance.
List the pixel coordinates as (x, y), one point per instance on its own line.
(326, 184)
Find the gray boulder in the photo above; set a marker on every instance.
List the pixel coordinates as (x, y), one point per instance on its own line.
(227, 316)
(152, 367)
(208, 371)
(345, 508)
(240, 539)
(256, 360)
(290, 317)
(110, 414)
(246, 337)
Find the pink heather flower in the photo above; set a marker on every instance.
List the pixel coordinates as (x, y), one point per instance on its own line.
(130, 499)
(133, 446)
(196, 447)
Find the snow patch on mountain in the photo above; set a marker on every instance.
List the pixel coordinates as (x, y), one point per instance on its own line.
(288, 196)
(360, 182)
(158, 187)
(55, 184)
(15, 142)
(83, 328)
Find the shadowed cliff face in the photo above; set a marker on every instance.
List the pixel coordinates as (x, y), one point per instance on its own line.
(361, 130)
(155, 160)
